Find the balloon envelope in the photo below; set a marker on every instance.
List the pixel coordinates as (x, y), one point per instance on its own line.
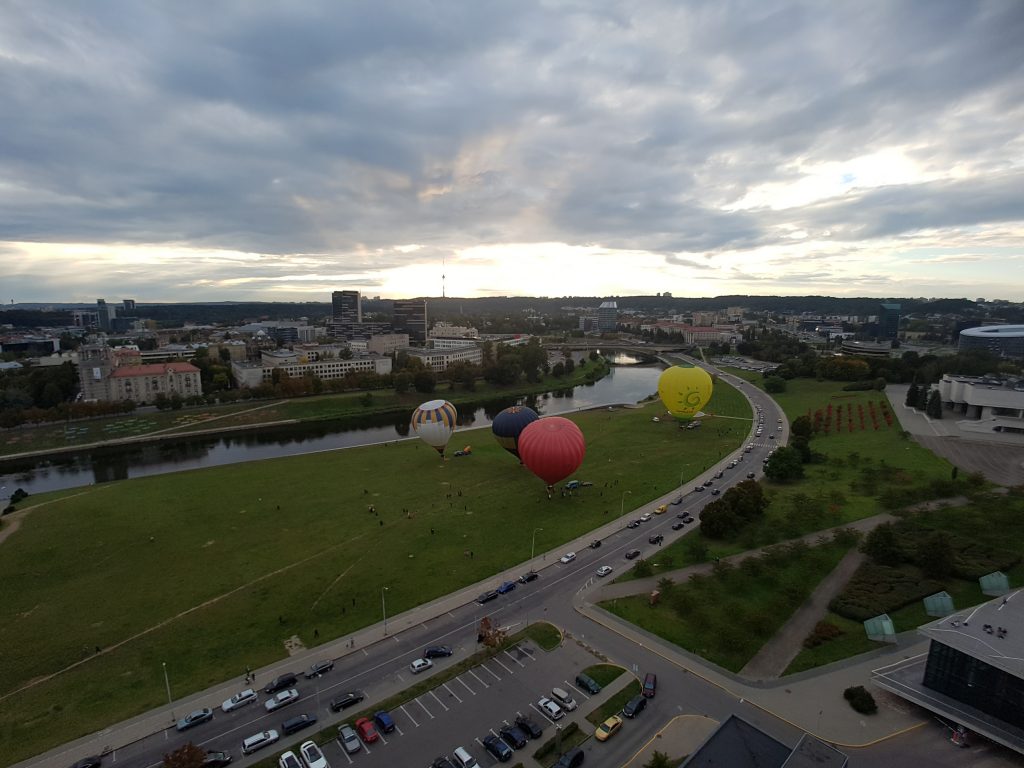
(552, 448)
(684, 391)
(434, 422)
(509, 424)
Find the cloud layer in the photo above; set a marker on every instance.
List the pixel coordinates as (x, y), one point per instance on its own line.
(230, 150)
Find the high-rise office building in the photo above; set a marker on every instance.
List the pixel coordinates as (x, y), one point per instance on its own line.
(105, 314)
(889, 321)
(411, 318)
(347, 307)
(607, 316)
(128, 307)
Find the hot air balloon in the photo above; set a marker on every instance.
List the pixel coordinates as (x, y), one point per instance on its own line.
(552, 448)
(684, 391)
(509, 424)
(434, 422)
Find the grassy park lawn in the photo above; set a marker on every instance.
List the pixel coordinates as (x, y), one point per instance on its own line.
(603, 674)
(212, 570)
(726, 619)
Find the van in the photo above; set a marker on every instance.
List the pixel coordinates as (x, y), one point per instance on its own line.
(463, 759)
(650, 685)
(565, 701)
(587, 683)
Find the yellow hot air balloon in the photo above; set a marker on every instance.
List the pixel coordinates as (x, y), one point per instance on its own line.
(684, 391)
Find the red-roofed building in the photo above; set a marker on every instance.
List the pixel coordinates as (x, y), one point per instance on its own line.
(142, 383)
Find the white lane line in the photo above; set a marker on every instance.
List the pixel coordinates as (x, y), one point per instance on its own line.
(113, 756)
(581, 693)
(424, 708)
(364, 654)
(366, 747)
(381, 735)
(402, 707)
(495, 660)
(400, 732)
(395, 637)
(424, 626)
(451, 614)
(452, 692)
(474, 674)
(438, 700)
(345, 753)
(483, 666)
(459, 678)
(517, 661)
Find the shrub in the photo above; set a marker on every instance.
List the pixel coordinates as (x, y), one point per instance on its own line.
(876, 589)
(822, 633)
(861, 699)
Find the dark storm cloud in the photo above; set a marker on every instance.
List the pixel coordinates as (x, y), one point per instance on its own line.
(350, 127)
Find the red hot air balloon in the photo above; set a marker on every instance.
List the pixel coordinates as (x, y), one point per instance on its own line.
(552, 448)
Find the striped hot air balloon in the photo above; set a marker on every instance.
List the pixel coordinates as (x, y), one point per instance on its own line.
(434, 422)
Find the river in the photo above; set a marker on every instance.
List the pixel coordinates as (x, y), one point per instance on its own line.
(624, 383)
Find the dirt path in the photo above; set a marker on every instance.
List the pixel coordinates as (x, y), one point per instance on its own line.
(13, 521)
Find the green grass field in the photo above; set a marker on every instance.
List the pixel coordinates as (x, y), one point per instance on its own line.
(212, 570)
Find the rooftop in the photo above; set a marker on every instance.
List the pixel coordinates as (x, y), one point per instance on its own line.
(992, 632)
(156, 369)
(988, 331)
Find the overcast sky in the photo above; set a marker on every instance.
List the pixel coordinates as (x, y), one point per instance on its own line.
(212, 151)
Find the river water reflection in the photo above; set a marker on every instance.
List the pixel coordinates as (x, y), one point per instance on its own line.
(624, 384)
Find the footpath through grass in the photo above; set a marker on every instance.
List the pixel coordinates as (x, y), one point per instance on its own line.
(212, 570)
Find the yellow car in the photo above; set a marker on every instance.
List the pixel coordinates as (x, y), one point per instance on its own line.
(609, 727)
(661, 510)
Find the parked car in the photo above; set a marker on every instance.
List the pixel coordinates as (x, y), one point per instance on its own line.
(259, 741)
(384, 721)
(366, 730)
(655, 539)
(297, 723)
(634, 706)
(216, 759)
(751, 475)
(608, 728)
(348, 739)
(420, 665)
(248, 696)
(571, 759)
(487, 596)
(595, 544)
(463, 759)
(437, 652)
(346, 700)
(312, 755)
(564, 699)
(498, 748)
(514, 736)
(677, 525)
(633, 554)
(529, 726)
(633, 524)
(281, 682)
(708, 483)
(281, 699)
(604, 570)
(719, 474)
(527, 577)
(320, 668)
(289, 760)
(650, 685)
(549, 708)
(193, 719)
(506, 587)
(587, 683)
(568, 557)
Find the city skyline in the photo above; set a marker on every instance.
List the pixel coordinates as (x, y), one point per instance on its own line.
(237, 152)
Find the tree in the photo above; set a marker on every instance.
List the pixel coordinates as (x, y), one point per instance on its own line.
(882, 545)
(802, 427)
(659, 760)
(912, 395)
(785, 465)
(424, 381)
(187, 756)
(774, 384)
(490, 635)
(934, 407)
(402, 381)
(558, 370)
(935, 555)
(922, 399)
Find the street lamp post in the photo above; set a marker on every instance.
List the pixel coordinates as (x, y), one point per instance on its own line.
(622, 503)
(384, 608)
(533, 544)
(681, 472)
(167, 683)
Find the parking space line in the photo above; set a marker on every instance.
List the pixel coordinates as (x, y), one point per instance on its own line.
(474, 674)
(452, 692)
(581, 693)
(402, 707)
(381, 735)
(484, 666)
(525, 650)
(541, 711)
(424, 708)
(345, 753)
(400, 733)
(517, 661)
(495, 660)
(465, 686)
(438, 700)
(366, 747)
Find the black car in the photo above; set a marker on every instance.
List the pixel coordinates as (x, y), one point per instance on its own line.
(442, 762)
(529, 726)
(656, 539)
(708, 483)
(527, 577)
(514, 736)
(89, 762)
(634, 706)
(437, 652)
(346, 700)
(217, 759)
(633, 554)
(715, 491)
(487, 596)
(751, 475)
(718, 475)
(498, 748)
(677, 525)
(320, 668)
(633, 524)
(595, 544)
(297, 723)
(571, 759)
(287, 680)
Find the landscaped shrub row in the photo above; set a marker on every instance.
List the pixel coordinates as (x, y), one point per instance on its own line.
(823, 632)
(876, 589)
(822, 420)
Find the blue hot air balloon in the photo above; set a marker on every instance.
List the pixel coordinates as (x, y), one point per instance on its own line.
(508, 425)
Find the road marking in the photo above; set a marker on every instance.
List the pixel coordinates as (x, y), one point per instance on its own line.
(395, 638)
(381, 735)
(474, 674)
(402, 707)
(482, 666)
(517, 661)
(400, 733)
(364, 654)
(113, 756)
(451, 692)
(465, 686)
(438, 700)
(495, 660)
(345, 753)
(424, 708)
(424, 626)
(581, 693)
(451, 614)
(367, 748)
(542, 712)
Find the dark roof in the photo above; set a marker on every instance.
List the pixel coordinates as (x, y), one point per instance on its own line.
(814, 753)
(992, 632)
(738, 744)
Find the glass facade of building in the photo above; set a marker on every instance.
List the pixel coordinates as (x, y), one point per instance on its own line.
(972, 681)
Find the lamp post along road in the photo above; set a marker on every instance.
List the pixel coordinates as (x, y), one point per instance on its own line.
(622, 503)
(533, 544)
(384, 608)
(167, 683)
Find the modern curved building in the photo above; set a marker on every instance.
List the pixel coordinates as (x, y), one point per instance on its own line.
(1001, 340)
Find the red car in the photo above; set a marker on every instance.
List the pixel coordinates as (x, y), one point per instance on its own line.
(367, 731)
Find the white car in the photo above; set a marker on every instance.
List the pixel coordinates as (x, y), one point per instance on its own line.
(312, 755)
(645, 517)
(259, 741)
(568, 557)
(420, 665)
(549, 708)
(288, 760)
(248, 696)
(281, 699)
(348, 739)
(604, 570)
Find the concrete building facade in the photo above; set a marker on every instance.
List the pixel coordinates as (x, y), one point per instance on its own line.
(144, 383)
(1001, 340)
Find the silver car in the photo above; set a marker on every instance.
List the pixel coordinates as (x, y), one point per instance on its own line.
(281, 699)
(240, 700)
(348, 739)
